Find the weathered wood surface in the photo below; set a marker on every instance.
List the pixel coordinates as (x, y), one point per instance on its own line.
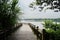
(23, 33)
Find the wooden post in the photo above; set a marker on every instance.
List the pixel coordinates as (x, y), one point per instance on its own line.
(39, 35)
(37, 28)
(37, 32)
(43, 34)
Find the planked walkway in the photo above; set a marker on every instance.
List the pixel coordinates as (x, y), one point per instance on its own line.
(23, 33)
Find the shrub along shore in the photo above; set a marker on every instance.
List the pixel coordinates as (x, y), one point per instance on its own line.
(52, 30)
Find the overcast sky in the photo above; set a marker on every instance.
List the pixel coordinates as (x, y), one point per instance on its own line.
(29, 13)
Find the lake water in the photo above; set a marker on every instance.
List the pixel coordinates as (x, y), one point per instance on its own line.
(36, 23)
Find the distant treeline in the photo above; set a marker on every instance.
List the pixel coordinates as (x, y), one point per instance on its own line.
(55, 20)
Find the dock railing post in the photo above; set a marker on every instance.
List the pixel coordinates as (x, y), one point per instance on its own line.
(37, 28)
(44, 36)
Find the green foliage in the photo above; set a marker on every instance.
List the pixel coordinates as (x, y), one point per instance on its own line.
(49, 30)
(38, 2)
(53, 29)
(50, 24)
(8, 13)
(47, 1)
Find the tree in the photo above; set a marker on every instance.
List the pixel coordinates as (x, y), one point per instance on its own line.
(8, 13)
(38, 2)
(47, 1)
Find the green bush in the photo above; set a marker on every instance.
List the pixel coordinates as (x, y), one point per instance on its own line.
(49, 30)
(53, 29)
(8, 13)
(50, 24)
